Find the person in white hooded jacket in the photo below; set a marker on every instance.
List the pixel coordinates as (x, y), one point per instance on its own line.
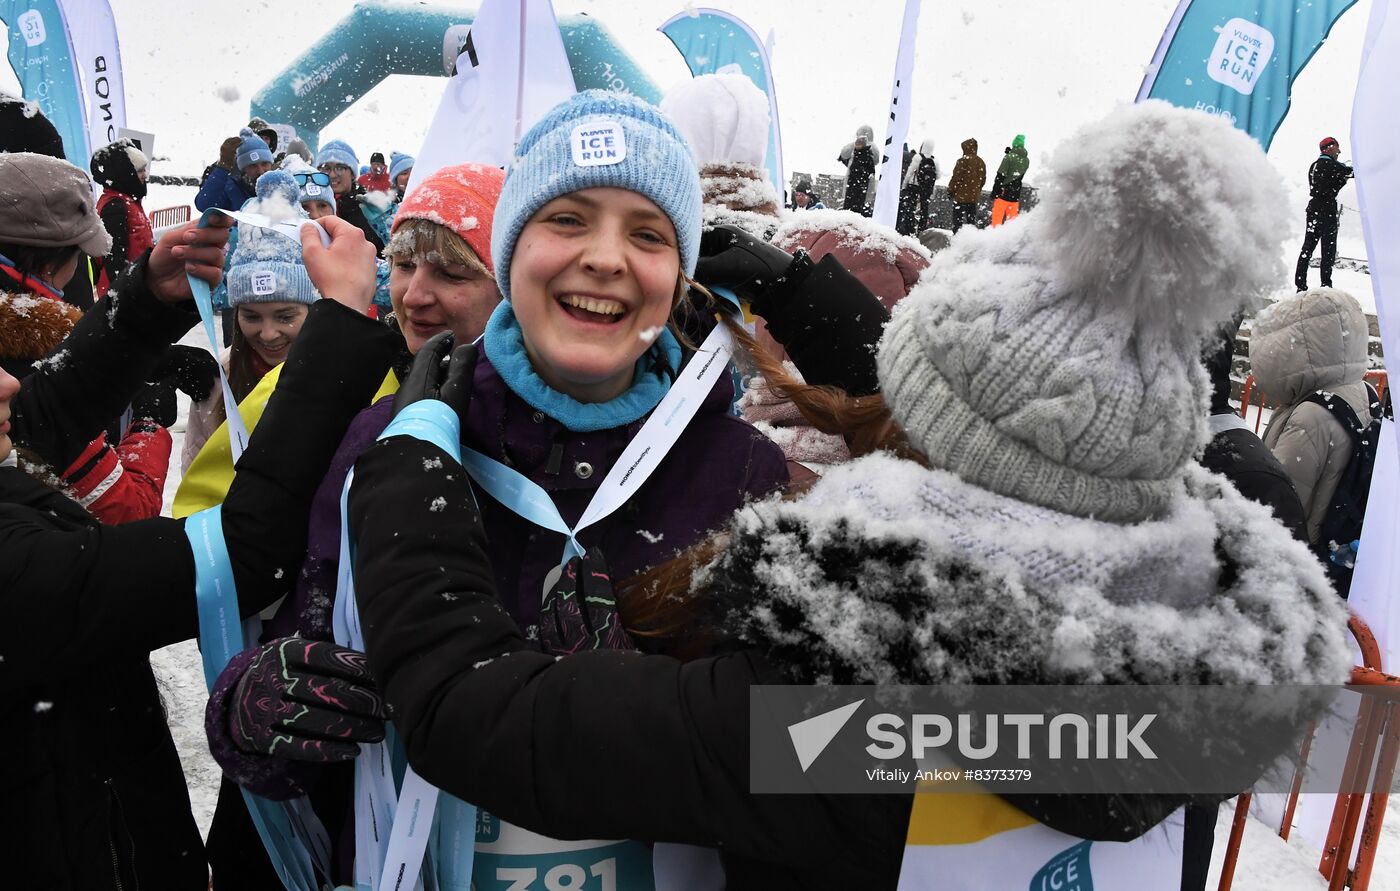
(1310, 343)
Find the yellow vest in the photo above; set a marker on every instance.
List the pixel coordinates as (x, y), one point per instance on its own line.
(211, 473)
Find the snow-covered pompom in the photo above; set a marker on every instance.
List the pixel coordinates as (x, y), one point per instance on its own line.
(724, 117)
(1170, 213)
(278, 196)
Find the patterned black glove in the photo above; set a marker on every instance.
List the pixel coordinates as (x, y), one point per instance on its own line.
(580, 611)
(308, 700)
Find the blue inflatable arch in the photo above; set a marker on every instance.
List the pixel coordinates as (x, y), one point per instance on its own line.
(378, 39)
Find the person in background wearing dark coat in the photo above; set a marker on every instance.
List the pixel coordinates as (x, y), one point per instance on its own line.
(97, 787)
(557, 395)
(916, 190)
(121, 170)
(228, 190)
(338, 159)
(859, 158)
(1238, 454)
(965, 185)
(1326, 177)
(1006, 188)
(803, 198)
(263, 129)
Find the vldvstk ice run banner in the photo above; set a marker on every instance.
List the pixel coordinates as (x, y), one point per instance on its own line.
(714, 41)
(1238, 58)
(970, 840)
(42, 57)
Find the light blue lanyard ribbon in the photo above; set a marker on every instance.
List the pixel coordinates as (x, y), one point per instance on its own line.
(289, 830)
(636, 463)
(391, 827)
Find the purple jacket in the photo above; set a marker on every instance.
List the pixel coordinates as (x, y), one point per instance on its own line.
(718, 463)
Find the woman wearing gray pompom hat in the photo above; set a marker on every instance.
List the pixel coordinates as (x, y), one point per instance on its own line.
(1032, 514)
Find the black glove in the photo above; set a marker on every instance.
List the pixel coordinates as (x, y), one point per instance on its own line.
(155, 402)
(309, 700)
(191, 369)
(435, 375)
(754, 269)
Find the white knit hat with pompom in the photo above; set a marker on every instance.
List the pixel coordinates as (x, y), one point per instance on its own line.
(1054, 360)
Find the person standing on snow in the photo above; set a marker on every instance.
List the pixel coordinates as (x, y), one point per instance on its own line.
(916, 191)
(102, 795)
(121, 169)
(1308, 344)
(1326, 177)
(859, 158)
(593, 262)
(904, 566)
(1006, 188)
(965, 185)
(338, 159)
(270, 294)
(117, 481)
(225, 189)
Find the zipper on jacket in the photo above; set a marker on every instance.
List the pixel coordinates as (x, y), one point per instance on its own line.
(112, 825)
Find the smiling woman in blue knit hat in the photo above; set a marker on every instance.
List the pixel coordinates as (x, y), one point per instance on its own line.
(270, 293)
(592, 246)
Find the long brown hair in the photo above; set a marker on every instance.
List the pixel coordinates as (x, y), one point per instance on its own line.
(660, 606)
(243, 377)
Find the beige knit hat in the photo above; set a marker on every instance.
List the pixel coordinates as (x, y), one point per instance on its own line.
(1054, 360)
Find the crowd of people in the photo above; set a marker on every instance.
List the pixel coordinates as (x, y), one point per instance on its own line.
(918, 183)
(998, 463)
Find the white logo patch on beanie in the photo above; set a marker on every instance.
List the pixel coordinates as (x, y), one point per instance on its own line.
(264, 283)
(312, 189)
(598, 143)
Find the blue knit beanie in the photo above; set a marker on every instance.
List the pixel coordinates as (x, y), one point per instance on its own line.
(251, 150)
(266, 267)
(399, 163)
(337, 151)
(599, 138)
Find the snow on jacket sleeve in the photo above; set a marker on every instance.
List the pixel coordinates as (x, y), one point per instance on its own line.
(98, 591)
(567, 748)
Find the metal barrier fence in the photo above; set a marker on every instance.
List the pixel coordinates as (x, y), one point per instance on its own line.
(170, 216)
(1377, 726)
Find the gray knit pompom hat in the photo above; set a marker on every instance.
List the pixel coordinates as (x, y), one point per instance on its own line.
(1054, 359)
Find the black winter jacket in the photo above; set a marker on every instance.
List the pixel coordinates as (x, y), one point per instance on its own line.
(604, 744)
(93, 790)
(1326, 177)
(348, 208)
(1240, 456)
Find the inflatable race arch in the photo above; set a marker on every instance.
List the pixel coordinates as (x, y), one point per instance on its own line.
(379, 38)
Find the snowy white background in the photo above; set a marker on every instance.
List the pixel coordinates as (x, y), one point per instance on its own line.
(984, 68)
